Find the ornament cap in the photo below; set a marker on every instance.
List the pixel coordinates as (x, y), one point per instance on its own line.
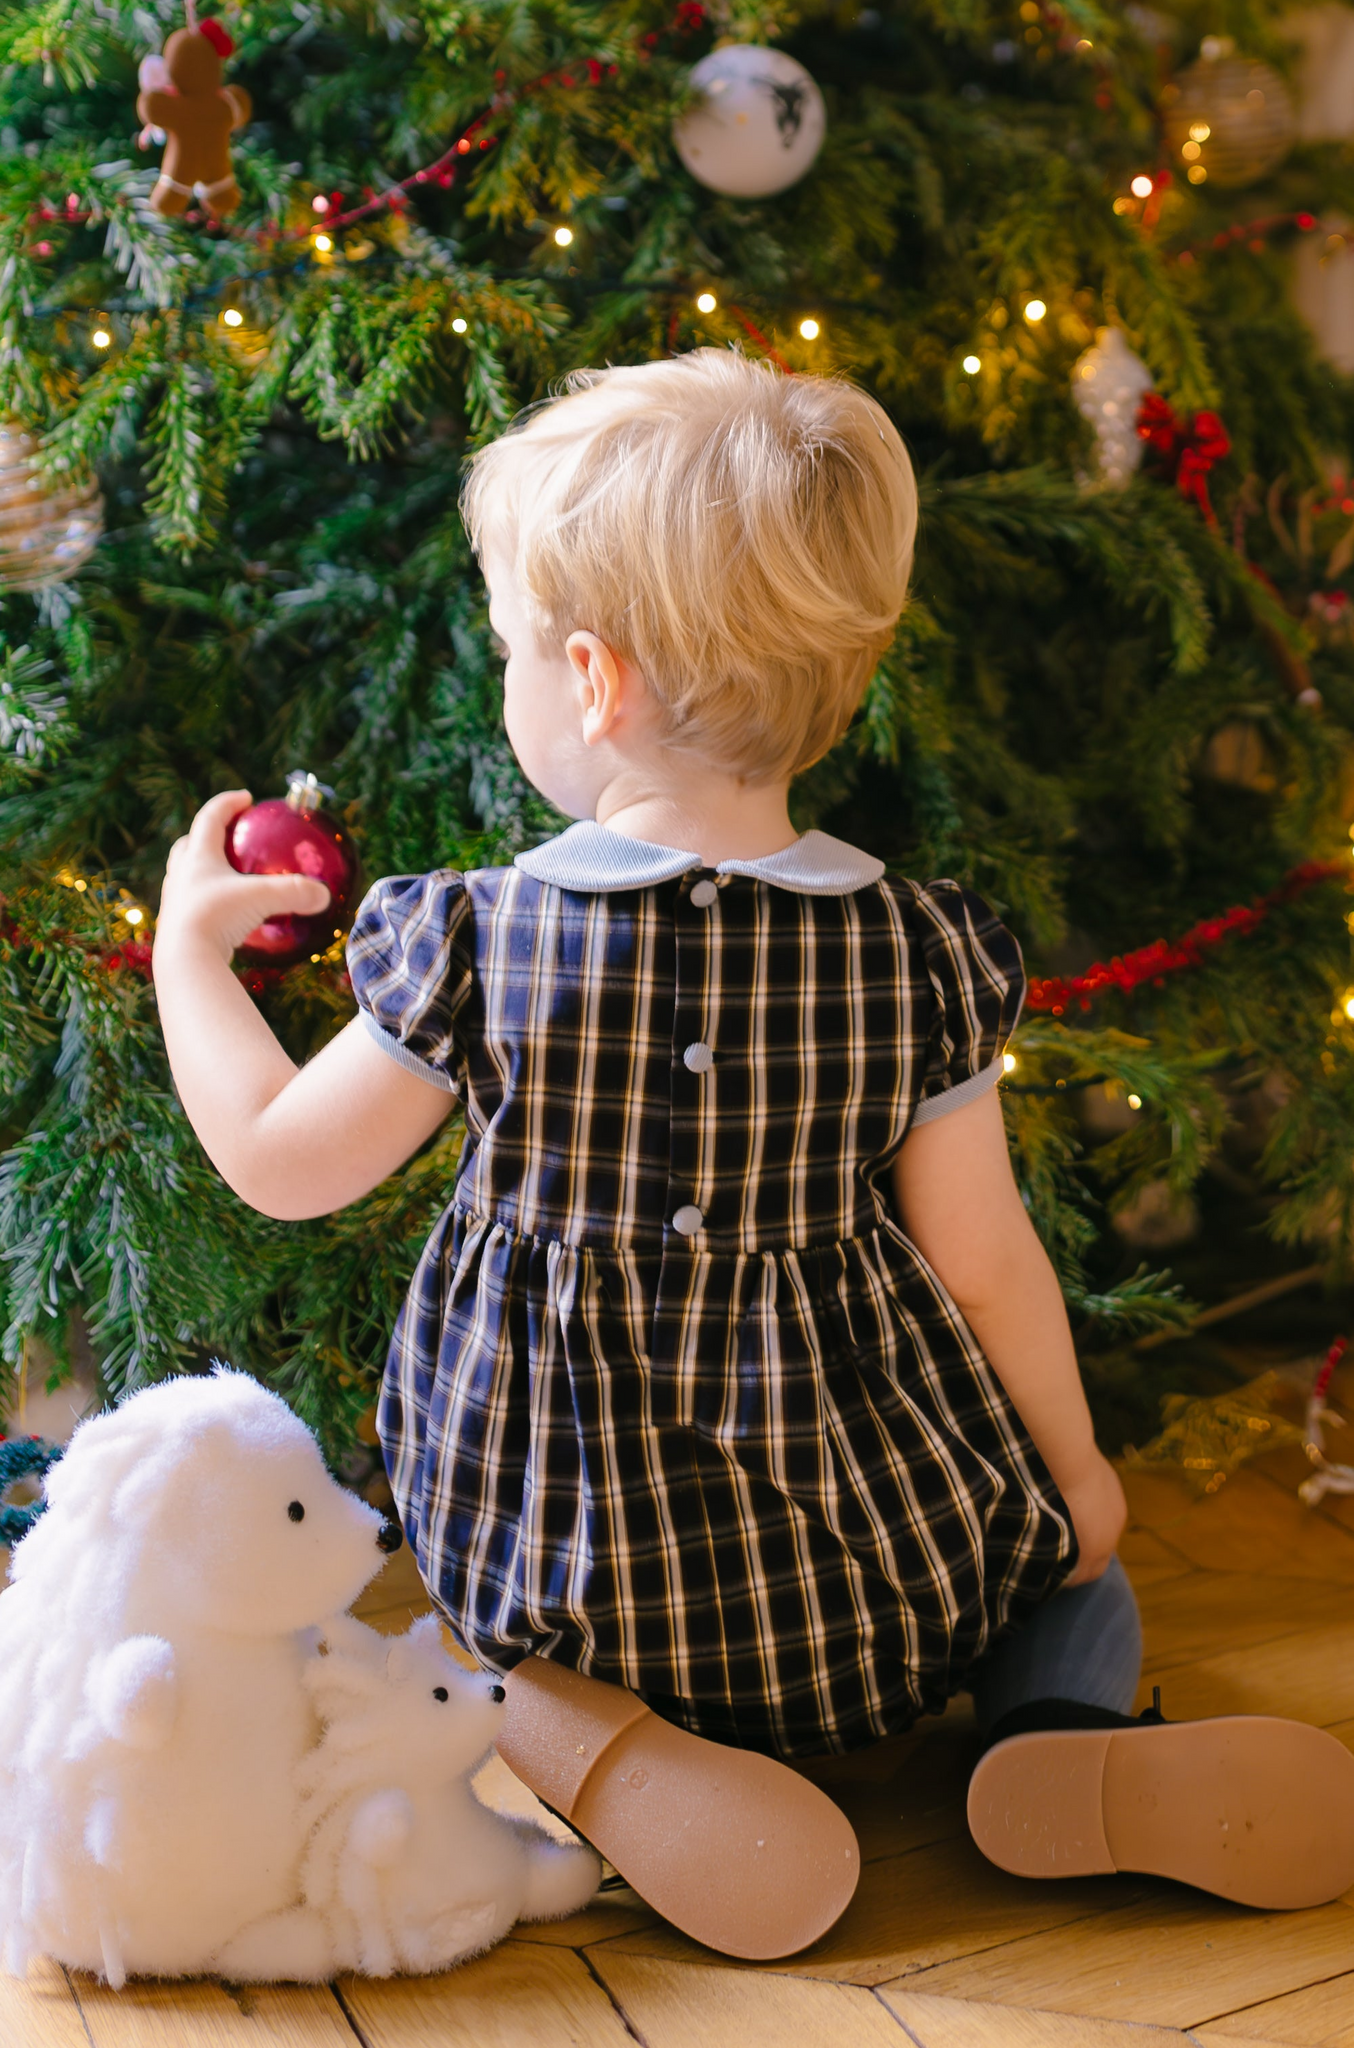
(305, 793)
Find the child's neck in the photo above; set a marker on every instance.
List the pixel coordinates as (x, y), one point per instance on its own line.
(717, 816)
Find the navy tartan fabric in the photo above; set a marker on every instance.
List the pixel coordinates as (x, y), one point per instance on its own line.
(754, 1467)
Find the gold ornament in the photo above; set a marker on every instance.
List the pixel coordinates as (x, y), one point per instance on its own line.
(46, 530)
(1228, 120)
(1204, 1442)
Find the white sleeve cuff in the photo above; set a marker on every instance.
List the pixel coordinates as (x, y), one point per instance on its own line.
(404, 1058)
(958, 1098)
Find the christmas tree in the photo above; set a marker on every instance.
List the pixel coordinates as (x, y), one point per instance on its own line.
(1053, 239)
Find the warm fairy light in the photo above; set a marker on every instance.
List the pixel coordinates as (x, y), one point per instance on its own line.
(1135, 1102)
(1191, 152)
(1035, 309)
(1085, 44)
(1199, 131)
(135, 915)
(706, 303)
(1122, 205)
(809, 329)
(320, 203)
(1141, 187)
(1008, 1062)
(458, 326)
(973, 364)
(101, 338)
(563, 237)
(232, 317)
(80, 885)
(324, 243)
(1196, 174)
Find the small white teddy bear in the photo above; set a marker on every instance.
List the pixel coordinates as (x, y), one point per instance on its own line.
(405, 1869)
(153, 1710)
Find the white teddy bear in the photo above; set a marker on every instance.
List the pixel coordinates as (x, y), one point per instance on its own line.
(153, 1710)
(404, 1868)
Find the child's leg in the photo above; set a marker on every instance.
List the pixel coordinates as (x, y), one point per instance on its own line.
(1257, 1809)
(738, 1851)
(1084, 1644)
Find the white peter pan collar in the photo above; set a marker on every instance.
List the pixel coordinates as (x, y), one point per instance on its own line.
(590, 856)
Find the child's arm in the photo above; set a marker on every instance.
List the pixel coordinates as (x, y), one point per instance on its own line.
(291, 1141)
(961, 1208)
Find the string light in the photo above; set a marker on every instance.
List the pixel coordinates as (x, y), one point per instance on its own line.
(232, 317)
(1349, 1005)
(324, 243)
(1141, 187)
(1135, 1102)
(1035, 310)
(1196, 174)
(563, 237)
(458, 326)
(973, 364)
(706, 303)
(101, 338)
(809, 329)
(135, 915)
(1009, 1062)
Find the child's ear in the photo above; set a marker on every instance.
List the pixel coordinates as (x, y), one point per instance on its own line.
(599, 686)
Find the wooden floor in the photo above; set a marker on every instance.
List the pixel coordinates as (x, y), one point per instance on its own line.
(1248, 1601)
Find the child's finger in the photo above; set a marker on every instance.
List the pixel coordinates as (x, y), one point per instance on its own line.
(284, 895)
(208, 829)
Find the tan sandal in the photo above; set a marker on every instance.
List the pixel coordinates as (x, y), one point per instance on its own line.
(736, 1850)
(1255, 1809)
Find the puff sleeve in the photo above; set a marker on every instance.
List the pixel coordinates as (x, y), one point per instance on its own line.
(412, 966)
(976, 980)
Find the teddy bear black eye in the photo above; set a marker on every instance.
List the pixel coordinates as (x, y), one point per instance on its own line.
(440, 1692)
(296, 1511)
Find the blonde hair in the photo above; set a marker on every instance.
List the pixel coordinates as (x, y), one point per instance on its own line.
(741, 537)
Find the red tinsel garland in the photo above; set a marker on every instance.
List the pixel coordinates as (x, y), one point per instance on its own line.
(1163, 957)
(1187, 447)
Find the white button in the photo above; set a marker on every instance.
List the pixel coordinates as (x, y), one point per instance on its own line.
(703, 894)
(688, 1219)
(699, 1058)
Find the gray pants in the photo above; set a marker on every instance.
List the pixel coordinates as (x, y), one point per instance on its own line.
(1084, 1644)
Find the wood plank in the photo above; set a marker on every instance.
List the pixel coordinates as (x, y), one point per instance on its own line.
(518, 1996)
(1206, 1613)
(1147, 1557)
(681, 2005)
(1320, 2016)
(1253, 1525)
(954, 2023)
(395, 1595)
(40, 2011)
(200, 2013)
(1308, 1676)
(1176, 1960)
(915, 1911)
(908, 1792)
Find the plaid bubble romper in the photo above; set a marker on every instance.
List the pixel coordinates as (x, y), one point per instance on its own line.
(673, 1399)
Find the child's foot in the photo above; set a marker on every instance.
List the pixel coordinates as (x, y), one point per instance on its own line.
(1259, 1810)
(738, 1851)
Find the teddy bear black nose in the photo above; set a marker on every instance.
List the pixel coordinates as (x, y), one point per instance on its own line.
(391, 1536)
(440, 1693)
(296, 1511)
(498, 1694)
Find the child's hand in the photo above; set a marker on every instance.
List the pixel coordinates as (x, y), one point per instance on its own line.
(1098, 1509)
(204, 899)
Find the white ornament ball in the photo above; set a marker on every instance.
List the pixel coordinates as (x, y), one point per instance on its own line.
(758, 125)
(1108, 385)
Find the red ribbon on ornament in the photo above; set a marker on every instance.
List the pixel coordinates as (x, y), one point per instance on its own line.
(1188, 448)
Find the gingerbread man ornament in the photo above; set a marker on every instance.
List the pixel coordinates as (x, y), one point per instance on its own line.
(185, 97)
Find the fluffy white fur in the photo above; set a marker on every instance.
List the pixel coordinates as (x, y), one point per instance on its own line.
(153, 1709)
(405, 1869)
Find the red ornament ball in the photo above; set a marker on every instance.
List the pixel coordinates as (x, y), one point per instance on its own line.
(293, 835)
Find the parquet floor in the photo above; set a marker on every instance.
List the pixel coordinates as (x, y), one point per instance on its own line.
(1248, 1601)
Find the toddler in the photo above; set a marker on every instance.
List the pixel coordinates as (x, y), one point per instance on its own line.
(733, 1413)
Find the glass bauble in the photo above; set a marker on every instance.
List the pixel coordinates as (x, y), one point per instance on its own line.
(757, 126)
(47, 529)
(294, 835)
(1228, 120)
